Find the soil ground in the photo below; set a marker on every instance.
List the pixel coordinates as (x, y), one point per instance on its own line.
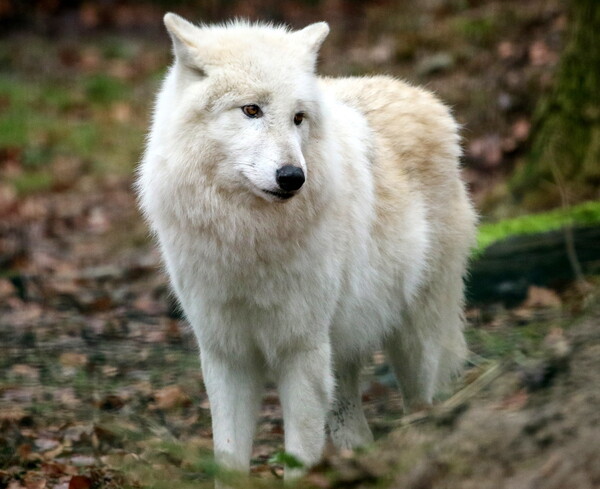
(99, 377)
(535, 426)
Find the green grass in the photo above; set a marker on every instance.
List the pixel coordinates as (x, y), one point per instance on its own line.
(103, 89)
(97, 116)
(509, 342)
(33, 181)
(580, 215)
(43, 120)
(480, 31)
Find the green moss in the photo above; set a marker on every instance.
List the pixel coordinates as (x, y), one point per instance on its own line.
(581, 215)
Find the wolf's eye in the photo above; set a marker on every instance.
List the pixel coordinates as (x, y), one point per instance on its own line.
(252, 111)
(298, 118)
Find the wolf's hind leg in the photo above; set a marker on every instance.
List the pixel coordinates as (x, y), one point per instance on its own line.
(426, 352)
(415, 363)
(347, 424)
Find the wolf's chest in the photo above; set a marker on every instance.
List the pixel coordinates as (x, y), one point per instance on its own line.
(241, 275)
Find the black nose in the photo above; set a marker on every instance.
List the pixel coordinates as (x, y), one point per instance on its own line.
(289, 177)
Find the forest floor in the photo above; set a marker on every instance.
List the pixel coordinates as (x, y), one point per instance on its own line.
(100, 385)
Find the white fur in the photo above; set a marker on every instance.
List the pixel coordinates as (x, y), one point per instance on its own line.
(369, 254)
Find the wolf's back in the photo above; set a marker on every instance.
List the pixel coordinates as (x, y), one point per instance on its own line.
(416, 143)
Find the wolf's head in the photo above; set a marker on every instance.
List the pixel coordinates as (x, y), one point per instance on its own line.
(243, 100)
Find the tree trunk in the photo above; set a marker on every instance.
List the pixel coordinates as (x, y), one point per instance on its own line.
(563, 165)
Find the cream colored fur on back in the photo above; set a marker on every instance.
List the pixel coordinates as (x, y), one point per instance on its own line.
(369, 254)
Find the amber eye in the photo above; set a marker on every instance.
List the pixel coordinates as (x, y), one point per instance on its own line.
(252, 111)
(298, 118)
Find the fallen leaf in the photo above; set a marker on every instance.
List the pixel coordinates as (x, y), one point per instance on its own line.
(520, 129)
(374, 391)
(170, 397)
(172, 331)
(109, 371)
(54, 469)
(556, 344)
(15, 485)
(80, 482)
(8, 198)
(72, 359)
(98, 221)
(540, 54)
(7, 289)
(515, 401)
(44, 444)
(540, 297)
(34, 480)
(66, 171)
(78, 433)
(12, 413)
(121, 112)
(318, 480)
(486, 151)
(506, 49)
(55, 452)
(83, 460)
(26, 371)
(66, 396)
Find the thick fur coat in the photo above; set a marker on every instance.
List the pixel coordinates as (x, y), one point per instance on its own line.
(300, 287)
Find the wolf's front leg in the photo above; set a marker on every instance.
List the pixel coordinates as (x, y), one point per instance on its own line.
(234, 390)
(305, 388)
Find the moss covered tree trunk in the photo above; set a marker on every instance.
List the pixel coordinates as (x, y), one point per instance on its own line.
(564, 161)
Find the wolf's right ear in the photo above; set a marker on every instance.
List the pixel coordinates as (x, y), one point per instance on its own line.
(184, 35)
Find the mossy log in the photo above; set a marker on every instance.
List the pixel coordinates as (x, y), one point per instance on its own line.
(506, 269)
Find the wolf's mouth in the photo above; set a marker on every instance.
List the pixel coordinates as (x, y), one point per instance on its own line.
(280, 195)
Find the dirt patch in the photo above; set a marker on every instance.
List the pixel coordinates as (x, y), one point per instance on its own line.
(515, 434)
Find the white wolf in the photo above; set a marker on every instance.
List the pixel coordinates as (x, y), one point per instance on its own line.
(304, 222)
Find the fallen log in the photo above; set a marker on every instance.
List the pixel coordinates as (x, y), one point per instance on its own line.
(506, 269)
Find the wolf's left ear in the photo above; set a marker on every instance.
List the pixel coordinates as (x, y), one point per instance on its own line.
(314, 35)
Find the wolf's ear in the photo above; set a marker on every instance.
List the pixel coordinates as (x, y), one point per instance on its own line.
(314, 35)
(184, 35)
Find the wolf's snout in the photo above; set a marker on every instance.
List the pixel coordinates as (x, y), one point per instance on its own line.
(289, 177)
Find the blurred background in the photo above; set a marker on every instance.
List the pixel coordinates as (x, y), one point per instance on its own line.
(99, 377)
